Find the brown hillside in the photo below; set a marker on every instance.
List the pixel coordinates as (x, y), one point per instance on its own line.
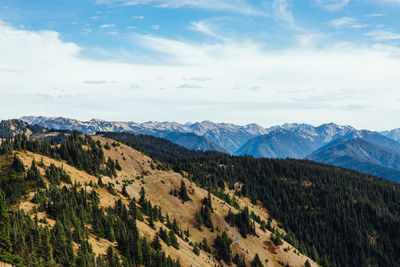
(143, 171)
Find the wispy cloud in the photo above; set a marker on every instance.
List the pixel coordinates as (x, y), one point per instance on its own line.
(189, 86)
(138, 17)
(236, 6)
(373, 15)
(200, 79)
(383, 35)
(104, 26)
(340, 22)
(331, 69)
(9, 70)
(95, 82)
(333, 5)
(203, 27)
(134, 87)
(282, 13)
(155, 27)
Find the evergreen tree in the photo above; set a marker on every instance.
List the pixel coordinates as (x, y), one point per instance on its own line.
(112, 257)
(256, 262)
(33, 176)
(173, 240)
(18, 165)
(4, 223)
(155, 244)
(222, 245)
(196, 249)
(46, 250)
(117, 166)
(205, 246)
(183, 192)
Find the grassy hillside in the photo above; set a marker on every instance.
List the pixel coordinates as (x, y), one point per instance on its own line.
(94, 213)
(336, 216)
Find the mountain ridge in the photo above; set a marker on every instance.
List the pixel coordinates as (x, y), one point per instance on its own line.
(360, 155)
(295, 140)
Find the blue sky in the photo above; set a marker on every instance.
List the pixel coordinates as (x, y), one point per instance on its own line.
(263, 61)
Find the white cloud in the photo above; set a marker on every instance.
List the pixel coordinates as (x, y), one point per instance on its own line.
(189, 86)
(104, 26)
(200, 79)
(340, 22)
(333, 5)
(383, 35)
(309, 40)
(359, 26)
(204, 27)
(138, 17)
(134, 87)
(373, 15)
(155, 27)
(236, 6)
(282, 13)
(95, 82)
(271, 80)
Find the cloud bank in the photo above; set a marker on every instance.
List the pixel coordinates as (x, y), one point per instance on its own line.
(291, 83)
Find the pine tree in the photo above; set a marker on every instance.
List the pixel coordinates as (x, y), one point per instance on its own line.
(112, 257)
(59, 243)
(34, 176)
(117, 166)
(173, 240)
(222, 245)
(196, 249)
(205, 246)
(155, 244)
(183, 192)
(18, 165)
(46, 250)
(256, 262)
(4, 223)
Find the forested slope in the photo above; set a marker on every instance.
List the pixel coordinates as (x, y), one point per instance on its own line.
(89, 201)
(337, 216)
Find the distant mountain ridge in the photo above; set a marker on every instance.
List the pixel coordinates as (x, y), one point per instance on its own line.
(9, 128)
(393, 134)
(279, 143)
(360, 155)
(218, 136)
(283, 141)
(302, 139)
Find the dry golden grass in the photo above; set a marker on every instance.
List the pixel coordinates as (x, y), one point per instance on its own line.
(157, 185)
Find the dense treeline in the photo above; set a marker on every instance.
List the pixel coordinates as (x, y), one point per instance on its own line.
(242, 221)
(336, 216)
(73, 208)
(79, 151)
(30, 242)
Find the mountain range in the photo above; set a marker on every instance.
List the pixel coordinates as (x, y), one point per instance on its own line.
(325, 143)
(360, 155)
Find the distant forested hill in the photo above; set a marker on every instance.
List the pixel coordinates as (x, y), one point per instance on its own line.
(361, 155)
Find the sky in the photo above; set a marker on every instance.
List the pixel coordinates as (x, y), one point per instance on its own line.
(261, 61)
